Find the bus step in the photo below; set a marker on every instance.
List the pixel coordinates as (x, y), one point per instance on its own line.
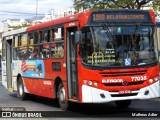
(10, 89)
(72, 100)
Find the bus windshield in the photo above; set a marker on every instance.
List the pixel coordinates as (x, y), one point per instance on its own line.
(118, 46)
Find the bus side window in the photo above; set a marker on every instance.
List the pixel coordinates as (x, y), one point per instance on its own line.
(15, 41)
(35, 39)
(53, 50)
(19, 40)
(52, 35)
(23, 47)
(31, 38)
(33, 52)
(57, 33)
(23, 40)
(45, 51)
(15, 53)
(44, 36)
(15, 47)
(23, 53)
(57, 50)
(4, 54)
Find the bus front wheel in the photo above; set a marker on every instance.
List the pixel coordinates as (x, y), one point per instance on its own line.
(21, 94)
(62, 97)
(123, 103)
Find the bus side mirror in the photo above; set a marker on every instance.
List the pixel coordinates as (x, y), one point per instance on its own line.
(78, 36)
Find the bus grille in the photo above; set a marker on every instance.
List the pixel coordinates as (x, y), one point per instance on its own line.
(120, 84)
(124, 95)
(122, 73)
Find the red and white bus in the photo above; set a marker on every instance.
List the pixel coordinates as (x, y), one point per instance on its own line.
(90, 57)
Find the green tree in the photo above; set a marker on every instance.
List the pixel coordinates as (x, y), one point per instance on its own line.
(20, 26)
(102, 4)
(156, 5)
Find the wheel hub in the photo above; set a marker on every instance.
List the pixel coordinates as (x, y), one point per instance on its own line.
(62, 95)
(20, 89)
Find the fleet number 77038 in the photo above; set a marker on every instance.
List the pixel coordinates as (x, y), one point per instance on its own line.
(139, 78)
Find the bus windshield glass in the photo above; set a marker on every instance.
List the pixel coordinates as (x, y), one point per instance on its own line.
(118, 46)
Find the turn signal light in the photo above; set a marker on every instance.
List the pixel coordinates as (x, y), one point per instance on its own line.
(89, 82)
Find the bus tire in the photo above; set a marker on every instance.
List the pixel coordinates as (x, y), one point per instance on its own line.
(123, 103)
(63, 103)
(21, 94)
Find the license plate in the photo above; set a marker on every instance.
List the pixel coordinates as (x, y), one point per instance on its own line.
(124, 92)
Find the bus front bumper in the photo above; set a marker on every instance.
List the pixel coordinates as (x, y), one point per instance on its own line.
(94, 95)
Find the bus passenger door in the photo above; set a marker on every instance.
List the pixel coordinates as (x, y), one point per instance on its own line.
(72, 64)
(9, 64)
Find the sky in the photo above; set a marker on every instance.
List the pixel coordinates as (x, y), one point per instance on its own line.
(14, 9)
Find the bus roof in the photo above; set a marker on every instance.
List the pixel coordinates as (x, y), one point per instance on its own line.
(82, 17)
(13, 32)
(55, 22)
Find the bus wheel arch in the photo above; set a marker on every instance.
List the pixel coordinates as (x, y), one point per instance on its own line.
(56, 85)
(18, 76)
(61, 94)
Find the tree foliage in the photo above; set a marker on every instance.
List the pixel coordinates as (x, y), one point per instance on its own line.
(81, 5)
(19, 26)
(156, 5)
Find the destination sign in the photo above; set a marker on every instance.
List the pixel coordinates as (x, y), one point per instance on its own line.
(120, 16)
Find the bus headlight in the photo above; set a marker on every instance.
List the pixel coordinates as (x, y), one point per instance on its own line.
(151, 80)
(90, 83)
(155, 79)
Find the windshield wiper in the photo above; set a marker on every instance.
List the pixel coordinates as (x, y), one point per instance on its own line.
(109, 33)
(135, 35)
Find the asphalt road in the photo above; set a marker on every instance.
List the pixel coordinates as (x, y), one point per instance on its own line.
(83, 111)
